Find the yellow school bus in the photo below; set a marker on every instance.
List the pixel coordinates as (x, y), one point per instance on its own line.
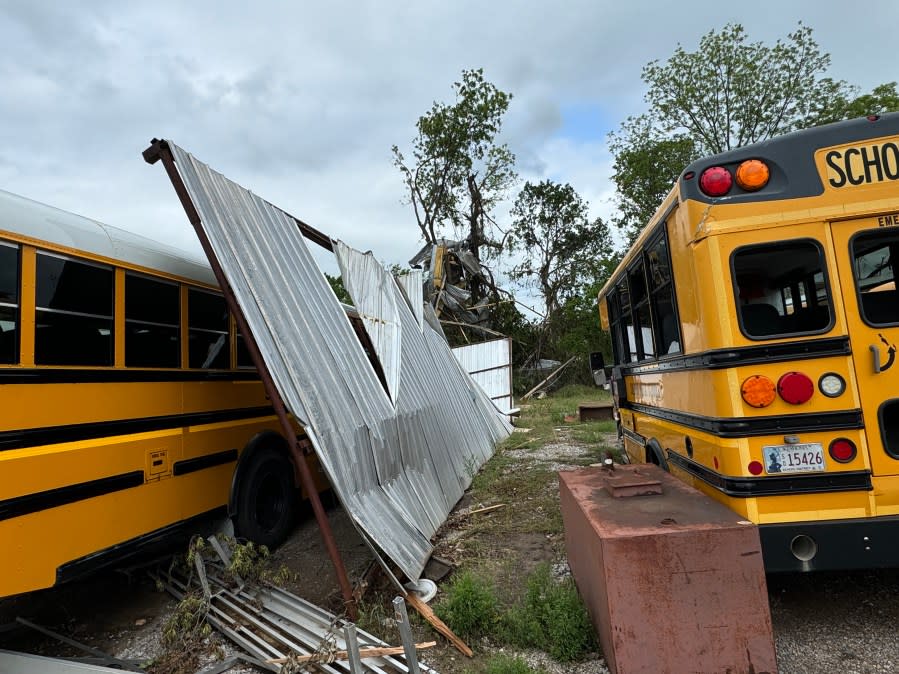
(131, 410)
(755, 324)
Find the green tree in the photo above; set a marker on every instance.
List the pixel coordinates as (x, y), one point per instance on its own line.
(565, 251)
(458, 171)
(731, 92)
(563, 246)
(646, 165)
(339, 289)
(883, 98)
(728, 93)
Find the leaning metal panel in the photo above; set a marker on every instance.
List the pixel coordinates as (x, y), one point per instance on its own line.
(398, 462)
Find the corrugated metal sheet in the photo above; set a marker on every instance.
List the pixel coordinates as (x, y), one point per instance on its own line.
(490, 365)
(398, 463)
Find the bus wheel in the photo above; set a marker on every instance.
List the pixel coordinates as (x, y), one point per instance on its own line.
(654, 454)
(265, 501)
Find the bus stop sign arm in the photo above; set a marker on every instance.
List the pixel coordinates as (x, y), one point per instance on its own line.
(159, 150)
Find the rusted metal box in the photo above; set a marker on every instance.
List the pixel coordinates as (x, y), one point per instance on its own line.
(594, 411)
(674, 582)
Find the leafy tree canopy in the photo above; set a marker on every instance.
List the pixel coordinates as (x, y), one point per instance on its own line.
(728, 93)
(563, 247)
(458, 171)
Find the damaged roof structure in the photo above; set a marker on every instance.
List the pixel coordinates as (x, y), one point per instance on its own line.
(399, 454)
(450, 267)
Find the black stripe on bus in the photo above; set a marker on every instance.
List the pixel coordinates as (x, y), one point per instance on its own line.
(747, 355)
(774, 485)
(633, 437)
(46, 375)
(143, 547)
(202, 462)
(32, 437)
(52, 498)
(744, 427)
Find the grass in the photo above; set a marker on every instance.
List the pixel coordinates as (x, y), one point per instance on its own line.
(549, 616)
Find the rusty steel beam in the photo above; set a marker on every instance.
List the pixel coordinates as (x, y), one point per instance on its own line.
(157, 151)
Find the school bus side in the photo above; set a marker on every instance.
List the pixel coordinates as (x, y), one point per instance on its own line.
(123, 424)
(686, 410)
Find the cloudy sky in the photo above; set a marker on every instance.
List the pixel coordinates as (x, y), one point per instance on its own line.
(301, 102)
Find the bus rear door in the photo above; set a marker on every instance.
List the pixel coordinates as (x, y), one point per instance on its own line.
(867, 262)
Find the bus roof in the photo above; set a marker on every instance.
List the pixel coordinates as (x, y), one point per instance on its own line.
(43, 223)
(791, 158)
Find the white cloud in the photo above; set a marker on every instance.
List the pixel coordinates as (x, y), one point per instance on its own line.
(301, 102)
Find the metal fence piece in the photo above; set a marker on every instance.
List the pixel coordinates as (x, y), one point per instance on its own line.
(25, 663)
(352, 648)
(271, 623)
(100, 655)
(490, 365)
(398, 460)
(402, 621)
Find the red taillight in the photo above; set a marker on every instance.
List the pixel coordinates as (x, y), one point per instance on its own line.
(842, 450)
(795, 388)
(716, 181)
(755, 467)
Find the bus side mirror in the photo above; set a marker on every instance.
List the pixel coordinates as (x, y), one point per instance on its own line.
(598, 367)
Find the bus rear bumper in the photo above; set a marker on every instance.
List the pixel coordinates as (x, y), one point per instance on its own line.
(866, 543)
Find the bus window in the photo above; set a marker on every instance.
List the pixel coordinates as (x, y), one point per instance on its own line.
(662, 290)
(627, 337)
(781, 289)
(9, 303)
(640, 303)
(207, 322)
(73, 321)
(875, 257)
(152, 320)
(244, 360)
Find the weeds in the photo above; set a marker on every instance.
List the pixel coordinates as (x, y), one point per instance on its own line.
(551, 618)
(507, 664)
(470, 606)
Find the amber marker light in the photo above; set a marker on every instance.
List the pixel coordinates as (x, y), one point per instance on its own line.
(752, 175)
(758, 391)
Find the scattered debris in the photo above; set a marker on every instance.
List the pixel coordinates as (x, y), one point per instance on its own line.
(428, 614)
(97, 656)
(555, 373)
(487, 509)
(279, 630)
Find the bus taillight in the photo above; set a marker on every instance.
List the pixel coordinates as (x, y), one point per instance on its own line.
(752, 175)
(842, 450)
(795, 388)
(716, 181)
(758, 391)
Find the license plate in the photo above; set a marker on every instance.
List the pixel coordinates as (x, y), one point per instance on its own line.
(800, 458)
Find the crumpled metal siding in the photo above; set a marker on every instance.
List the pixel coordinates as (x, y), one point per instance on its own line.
(397, 465)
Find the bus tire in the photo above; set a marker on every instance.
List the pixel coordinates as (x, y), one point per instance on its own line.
(266, 499)
(655, 454)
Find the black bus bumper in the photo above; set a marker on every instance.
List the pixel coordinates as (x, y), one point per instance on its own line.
(831, 545)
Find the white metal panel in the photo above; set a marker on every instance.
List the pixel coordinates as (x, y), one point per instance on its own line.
(490, 365)
(398, 467)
